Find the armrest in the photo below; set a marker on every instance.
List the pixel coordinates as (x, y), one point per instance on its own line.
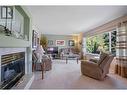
(90, 64)
(94, 60)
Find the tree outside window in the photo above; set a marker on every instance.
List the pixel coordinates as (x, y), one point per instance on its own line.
(101, 42)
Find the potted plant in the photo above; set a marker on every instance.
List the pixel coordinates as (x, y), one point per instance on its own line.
(43, 41)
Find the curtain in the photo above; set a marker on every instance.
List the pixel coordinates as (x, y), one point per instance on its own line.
(121, 50)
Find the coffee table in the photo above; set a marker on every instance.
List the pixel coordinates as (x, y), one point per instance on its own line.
(72, 57)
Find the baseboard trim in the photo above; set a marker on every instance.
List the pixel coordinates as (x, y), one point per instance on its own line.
(30, 82)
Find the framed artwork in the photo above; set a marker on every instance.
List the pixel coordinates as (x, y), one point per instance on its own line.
(35, 39)
(60, 42)
(6, 12)
(71, 43)
(50, 42)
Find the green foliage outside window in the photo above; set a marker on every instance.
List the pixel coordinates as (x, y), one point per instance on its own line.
(113, 41)
(99, 43)
(106, 41)
(95, 44)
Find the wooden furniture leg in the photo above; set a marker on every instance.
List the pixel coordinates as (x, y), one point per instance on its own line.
(44, 66)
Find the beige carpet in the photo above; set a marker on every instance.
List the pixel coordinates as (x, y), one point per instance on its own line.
(68, 76)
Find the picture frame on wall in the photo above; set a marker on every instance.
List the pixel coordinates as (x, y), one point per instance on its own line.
(50, 42)
(60, 42)
(34, 39)
(71, 43)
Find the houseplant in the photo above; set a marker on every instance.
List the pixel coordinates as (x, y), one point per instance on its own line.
(43, 41)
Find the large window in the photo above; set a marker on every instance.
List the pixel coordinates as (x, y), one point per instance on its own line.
(102, 42)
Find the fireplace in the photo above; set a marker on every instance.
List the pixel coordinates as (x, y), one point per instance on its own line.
(12, 69)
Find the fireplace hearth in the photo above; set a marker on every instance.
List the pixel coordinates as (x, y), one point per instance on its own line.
(12, 69)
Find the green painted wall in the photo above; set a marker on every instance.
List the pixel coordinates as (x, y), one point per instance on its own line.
(60, 37)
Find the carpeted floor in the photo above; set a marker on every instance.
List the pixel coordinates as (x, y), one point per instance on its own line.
(68, 76)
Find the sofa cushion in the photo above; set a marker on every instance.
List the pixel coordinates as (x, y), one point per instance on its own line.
(102, 57)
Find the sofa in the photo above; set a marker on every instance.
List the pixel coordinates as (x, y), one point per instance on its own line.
(64, 52)
(97, 69)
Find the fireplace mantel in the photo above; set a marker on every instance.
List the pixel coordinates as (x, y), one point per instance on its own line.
(9, 44)
(7, 41)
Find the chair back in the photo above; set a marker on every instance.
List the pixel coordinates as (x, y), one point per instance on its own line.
(106, 64)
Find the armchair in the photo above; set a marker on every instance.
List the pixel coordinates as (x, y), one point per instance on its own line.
(97, 70)
(44, 65)
(47, 62)
(36, 61)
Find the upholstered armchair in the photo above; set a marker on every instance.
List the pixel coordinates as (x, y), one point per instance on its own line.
(44, 65)
(46, 61)
(36, 63)
(97, 69)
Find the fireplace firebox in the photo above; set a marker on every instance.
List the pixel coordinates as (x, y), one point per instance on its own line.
(12, 69)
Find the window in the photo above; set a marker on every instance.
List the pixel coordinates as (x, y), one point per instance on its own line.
(101, 42)
(113, 42)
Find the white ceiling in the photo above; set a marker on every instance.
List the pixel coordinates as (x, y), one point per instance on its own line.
(72, 19)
